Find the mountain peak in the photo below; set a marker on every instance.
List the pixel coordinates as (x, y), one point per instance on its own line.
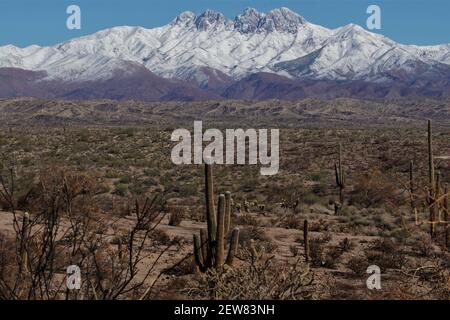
(208, 19)
(284, 19)
(184, 18)
(250, 11)
(285, 12)
(248, 21)
(281, 20)
(353, 30)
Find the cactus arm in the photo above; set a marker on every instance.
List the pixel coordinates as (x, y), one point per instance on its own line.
(227, 212)
(233, 246)
(198, 253)
(204, 246)
(220, 233)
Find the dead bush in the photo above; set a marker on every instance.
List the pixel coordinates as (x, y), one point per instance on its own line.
(63, 228)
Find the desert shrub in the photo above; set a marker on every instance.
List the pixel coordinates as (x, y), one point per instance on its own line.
(268, 245)
(320, 255)
(424, 246)
(7, 257)
(316, 250)
(346, 245)
(317, 176)
(175, 218)
(246, 220)
(173, 290)
(294, 250)
(332, 257)
(319, 189)
(386, 253)
(292, 222)
(358, 264)
(319, 225)
(121, 190)
(247, 234)
(186, 266)
(310, 198)
(249, 183)
(188, 189)
(385, 244)
(374, 189)
(103, 188)
(386, 260)
(263, 278)
(160, 237)
(128, 132)
(126, 179)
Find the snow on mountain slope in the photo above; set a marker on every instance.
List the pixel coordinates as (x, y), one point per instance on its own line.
(280, 41)
(353, 53)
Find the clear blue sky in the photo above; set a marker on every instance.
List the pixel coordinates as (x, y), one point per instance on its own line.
(43, 22)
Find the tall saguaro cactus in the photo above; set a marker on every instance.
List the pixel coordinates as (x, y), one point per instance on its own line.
(446, 216)
(411, 185)
(340, 176)
(23, 243)
(209, 248)
(433, 186)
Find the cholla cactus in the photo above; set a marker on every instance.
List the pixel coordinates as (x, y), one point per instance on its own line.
(209, 248)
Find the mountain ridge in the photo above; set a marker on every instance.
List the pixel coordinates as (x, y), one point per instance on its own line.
(216, 54)
(342, 112)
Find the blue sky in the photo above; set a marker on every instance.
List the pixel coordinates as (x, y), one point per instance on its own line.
(43, 22)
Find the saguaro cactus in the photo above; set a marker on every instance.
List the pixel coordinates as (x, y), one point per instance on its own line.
(446, 215)
(24, 241)
(306, 240)
(411, 185)
(340, 176)
(433, 187)
(209, 248)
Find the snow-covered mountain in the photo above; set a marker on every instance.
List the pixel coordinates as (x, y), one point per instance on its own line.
(215, 53)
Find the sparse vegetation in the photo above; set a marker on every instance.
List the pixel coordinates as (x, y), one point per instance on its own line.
(90, 197)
